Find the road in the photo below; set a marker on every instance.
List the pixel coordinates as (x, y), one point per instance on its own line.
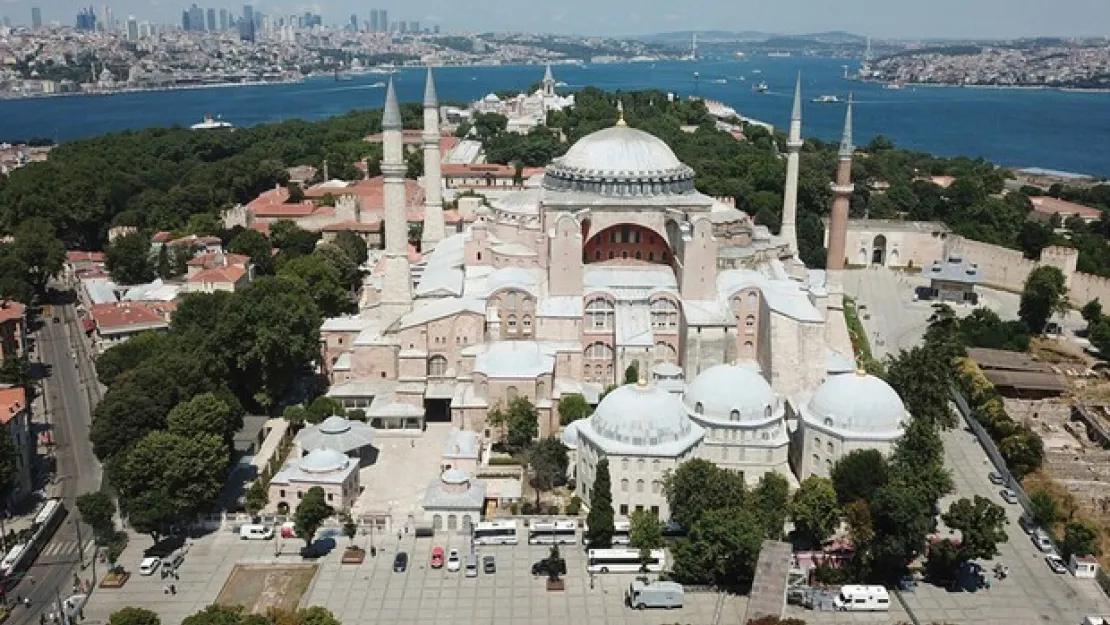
(70, 392)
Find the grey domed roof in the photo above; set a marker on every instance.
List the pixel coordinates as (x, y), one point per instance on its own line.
(720, 390)
(620, 155)
(335, 424)
(455, 476)
(569, 437)
(858, 403)
(641, 415)
(335, 432)
(323, 461)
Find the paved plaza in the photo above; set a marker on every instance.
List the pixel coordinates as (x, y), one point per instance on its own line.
(371, 593)
(405, 464)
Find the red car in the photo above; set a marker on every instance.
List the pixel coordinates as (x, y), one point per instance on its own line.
(437, 557)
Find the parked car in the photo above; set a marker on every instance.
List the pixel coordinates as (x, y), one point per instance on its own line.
(489, 565)
(453, 562)
(1042, 541)
(149, 565)
(1008, 495)
(1056, 563)
(996, 478)
(400, 562)
(437, 557)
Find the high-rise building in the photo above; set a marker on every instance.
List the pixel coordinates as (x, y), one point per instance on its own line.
(246, 24)
(86, 19)
(211, 20)
(132, 28)
(185, 19)
(404, 26)
(374, 21)
(36, 17)
(414, 27)
(354, 22)
(383, 20)
(435, 29)
(106, 21)
(223, 19)
(196, 18)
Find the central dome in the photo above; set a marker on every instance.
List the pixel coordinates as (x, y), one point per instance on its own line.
(731, 393)
(620, 161)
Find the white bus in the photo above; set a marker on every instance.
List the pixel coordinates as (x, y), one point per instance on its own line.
(622, 533)
(495, 533)
(624, 561)
(561, 532)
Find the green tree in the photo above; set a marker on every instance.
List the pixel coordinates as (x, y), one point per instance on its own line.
(134, 616)
(770, 501)
(39, 250)
(858, 475)
(1045, 294)
(573, 407)
(98, 510)
(256, 245)
(256, 497)
(599, 522)
(311, 514)
(353, 245)
(721, 549)
(548, 462)
(350, 276)
(350, 528)
(1099, 335)
(918, 459)
(1092, 312)
(632, 373)
(519, 424)
(645, 534)
(323, 282)
(129, 259)
(1044, 510)
(165, 268)
(204, 414)
(698, 486)
(920, 377)
(981, 525)
(814, 510)
(943, 333)
(1081, 538)
(901, 517)
(166, 477)
(943, 562)
(323, 407)
(268, 333)
(861, 530)
(1023, 451)
(16, 371)
(123, 357)
(217, 614)
(292, 240)
(14, 284)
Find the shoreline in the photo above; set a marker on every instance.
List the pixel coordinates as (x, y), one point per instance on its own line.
(944, 85)
(219, 85)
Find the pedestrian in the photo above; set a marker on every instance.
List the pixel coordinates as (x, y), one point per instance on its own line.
(19, 598)
(412, 443)
(166, 589)
(173, 589)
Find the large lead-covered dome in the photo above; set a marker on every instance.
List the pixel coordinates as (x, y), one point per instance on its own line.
(859, 403)
(731, 393)
(620, 161)
(642, 416)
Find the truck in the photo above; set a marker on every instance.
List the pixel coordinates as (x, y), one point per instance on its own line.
(854, 598)
(1092, 619)
(666, 595)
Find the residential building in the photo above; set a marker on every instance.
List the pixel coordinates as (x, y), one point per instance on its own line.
(13, 330)
(15, 413)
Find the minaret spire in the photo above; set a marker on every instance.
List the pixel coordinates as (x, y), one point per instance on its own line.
(620, 113)
(434, 227)
(396, 294)
(789, 231)
(842, 194)
(548, 82)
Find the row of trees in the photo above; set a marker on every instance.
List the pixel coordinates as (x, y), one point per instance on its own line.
(217, 614)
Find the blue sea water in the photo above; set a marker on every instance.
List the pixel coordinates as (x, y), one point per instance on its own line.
(1053, 129)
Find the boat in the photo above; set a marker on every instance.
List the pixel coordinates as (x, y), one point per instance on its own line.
(826, 99)
(211, 123)
(778, 55)
(757, 71)
(760, 87)
(721, 81)
(892, 86)
(560, 84)
(341, 77)
(383, 70)
(377, 85)
(697, 75)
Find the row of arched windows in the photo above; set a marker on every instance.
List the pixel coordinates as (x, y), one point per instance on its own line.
(656, 486)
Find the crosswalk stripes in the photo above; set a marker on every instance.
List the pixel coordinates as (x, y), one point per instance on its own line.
(63, 547)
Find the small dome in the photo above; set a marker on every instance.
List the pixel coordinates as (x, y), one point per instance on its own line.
(335, 425)
(324, 461)
(569, 436)
(666, 370)
(643, 415)
(455, 476)
(858, 402)
(720, 391)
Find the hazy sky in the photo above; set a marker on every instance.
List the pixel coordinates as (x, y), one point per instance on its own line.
(878, 18)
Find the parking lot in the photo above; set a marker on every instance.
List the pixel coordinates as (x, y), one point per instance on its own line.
(373, 593)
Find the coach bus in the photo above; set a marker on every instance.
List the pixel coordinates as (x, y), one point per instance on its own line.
(624, 561)
(495, 533)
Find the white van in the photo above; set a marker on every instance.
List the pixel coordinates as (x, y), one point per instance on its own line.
(862, 599)
(666, 595)
(174, 560)
(256, 532)
(472, 565)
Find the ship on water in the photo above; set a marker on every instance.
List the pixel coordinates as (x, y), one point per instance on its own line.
(211, 123)
(760, 87)
(826, 99)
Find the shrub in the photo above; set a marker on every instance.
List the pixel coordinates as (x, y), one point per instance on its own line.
(575, 506)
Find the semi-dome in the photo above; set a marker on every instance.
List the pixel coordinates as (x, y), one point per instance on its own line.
(569, 437)
(323, 461)
(620, 161)
(731, 392)
(455, 476)
(335, 424)
(641, 415)
(859, 403)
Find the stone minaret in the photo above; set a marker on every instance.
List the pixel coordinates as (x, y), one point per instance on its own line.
(434, 229)
(548, 83)
(789, 232)
(842, 194)
(397, 284)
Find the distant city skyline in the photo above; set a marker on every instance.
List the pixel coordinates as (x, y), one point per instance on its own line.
(954, 19)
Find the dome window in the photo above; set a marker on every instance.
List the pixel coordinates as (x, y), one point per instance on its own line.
(766, 436)
(698, 408)
(734, 415)
(767, 411)
(828, 421)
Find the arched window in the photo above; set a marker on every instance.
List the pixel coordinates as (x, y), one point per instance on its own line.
(437, 366)
(734, 415)
(624, 485)
(640, 464)
(639, 486)
(665, 353)
(600, 314)
(511, 322)
(541, 389)
(624, 464)
(750, 321)
(656, 486)
(698, 408)
(829, 446)
(512, 393)
(664, 314)
(828, 421)
(599, 351)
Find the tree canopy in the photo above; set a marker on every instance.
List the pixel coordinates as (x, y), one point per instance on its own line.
(599, 522)
(1045, 294)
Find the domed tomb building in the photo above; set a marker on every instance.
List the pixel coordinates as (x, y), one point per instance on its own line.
(610, 258)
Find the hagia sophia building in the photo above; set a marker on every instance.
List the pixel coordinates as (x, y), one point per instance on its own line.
(612, 257)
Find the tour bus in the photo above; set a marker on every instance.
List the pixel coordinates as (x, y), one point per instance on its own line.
(622, 531)
(624, 561)
(495, 533)
(561, 532)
